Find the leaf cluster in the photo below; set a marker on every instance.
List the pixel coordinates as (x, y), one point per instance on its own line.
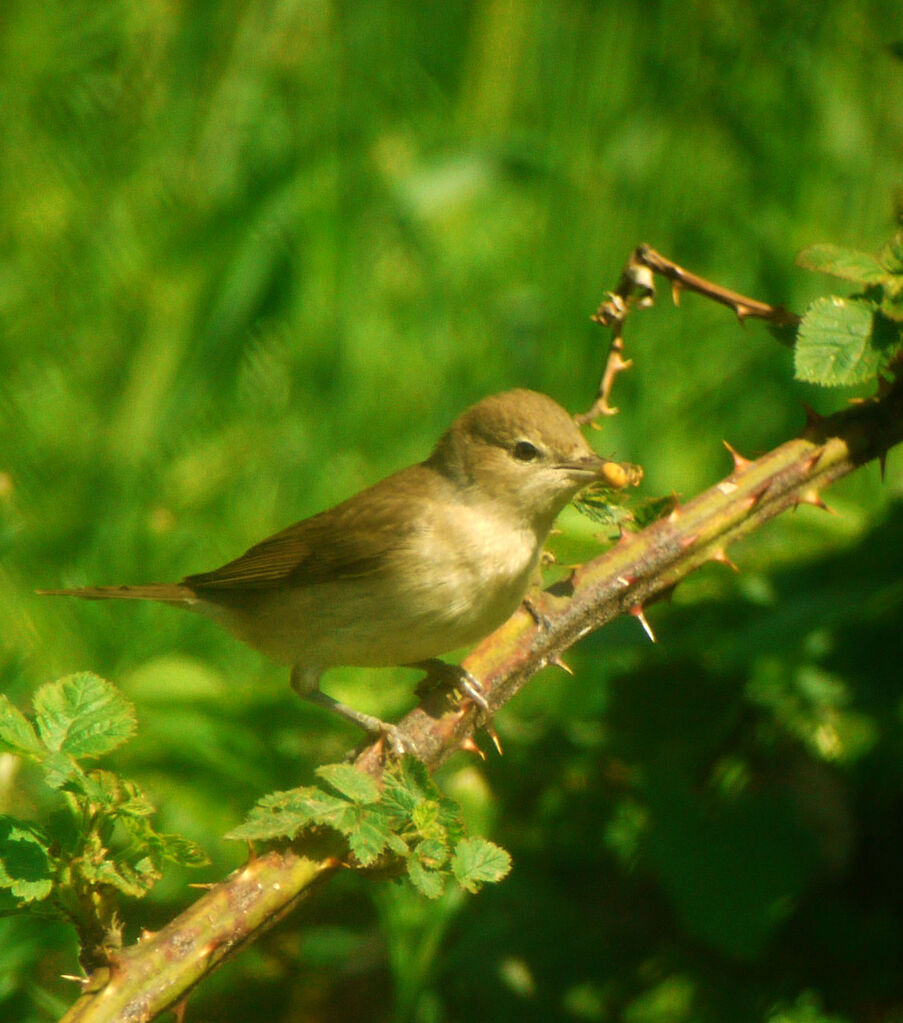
(844, 341)
(406, 818)
(101, 842)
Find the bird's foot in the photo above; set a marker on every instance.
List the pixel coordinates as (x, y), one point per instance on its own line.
(392, 735)
(452, 676)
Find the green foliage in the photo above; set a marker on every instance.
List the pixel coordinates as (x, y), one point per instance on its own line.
(845, 341)
(611, 507)
(100, 841)
(408, 819)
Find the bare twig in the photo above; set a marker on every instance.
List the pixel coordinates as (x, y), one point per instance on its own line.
(636, 289)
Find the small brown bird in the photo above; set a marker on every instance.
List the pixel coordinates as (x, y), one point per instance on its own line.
(430, 559)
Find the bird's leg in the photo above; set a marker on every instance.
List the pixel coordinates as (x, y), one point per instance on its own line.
(306, 683)
(440, 672)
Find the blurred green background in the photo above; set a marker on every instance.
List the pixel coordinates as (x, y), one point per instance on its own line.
(255, 255)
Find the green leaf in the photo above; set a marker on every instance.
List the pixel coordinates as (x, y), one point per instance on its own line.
(352, 783)
(848, 264)
(159, 846)
(61, 771)
(284, 814)
(83, 715)
(367, 836)
(131, 880)
(477, 861)
(652, 509)
(17, 732)
(835, 344)
(432, 853)
(25, 864)
(119, 795)
(604, 504)
(396, 844)
(430, 883)
(405, 786)
(181, 850)
(426, 820)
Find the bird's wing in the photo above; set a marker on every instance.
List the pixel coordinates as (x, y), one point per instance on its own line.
(356, 538)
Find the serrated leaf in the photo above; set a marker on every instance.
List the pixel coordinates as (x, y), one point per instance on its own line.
(352, 783)
(181, 850)
(450, 819)
(16, 730)
(367, 837)
(432, 853)
(284, 814)
(425, 819)
(477, 862)
(25, 864)
(849, 264)
(604, 504)
(396, 844)
(159, 846)
(83, 715)
(430, 883)
(120, 795)
(61, 771)
(835, 343)
(131, 880)
(405, 786)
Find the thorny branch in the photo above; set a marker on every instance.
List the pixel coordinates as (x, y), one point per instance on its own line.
(636, 290)
(159, 971)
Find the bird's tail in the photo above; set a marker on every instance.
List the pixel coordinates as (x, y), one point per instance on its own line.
(172, 593)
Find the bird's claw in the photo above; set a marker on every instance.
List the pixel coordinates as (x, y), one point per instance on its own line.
(399, 743)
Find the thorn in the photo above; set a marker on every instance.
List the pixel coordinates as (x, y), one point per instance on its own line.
(740, 462)
(145, 934)
(626, 580)
(687, 541)
(812, 497)
(640, 615)
(676, 511)
(559, 663)
(742, 311)
(469, 746)
(676, 289)
(205, 885)
(755, 498)
(494, 735)
(813, 459)
(178, 1010)
(720, 556)
(71, 976)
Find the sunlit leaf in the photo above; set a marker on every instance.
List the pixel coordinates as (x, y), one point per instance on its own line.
(83, 715)
(477, 861)
(835, 344)
(848, 264)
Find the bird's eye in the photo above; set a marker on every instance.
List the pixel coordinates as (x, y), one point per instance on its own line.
(524, 451)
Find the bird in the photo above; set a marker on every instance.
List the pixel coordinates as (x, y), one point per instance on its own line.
(429, 560)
